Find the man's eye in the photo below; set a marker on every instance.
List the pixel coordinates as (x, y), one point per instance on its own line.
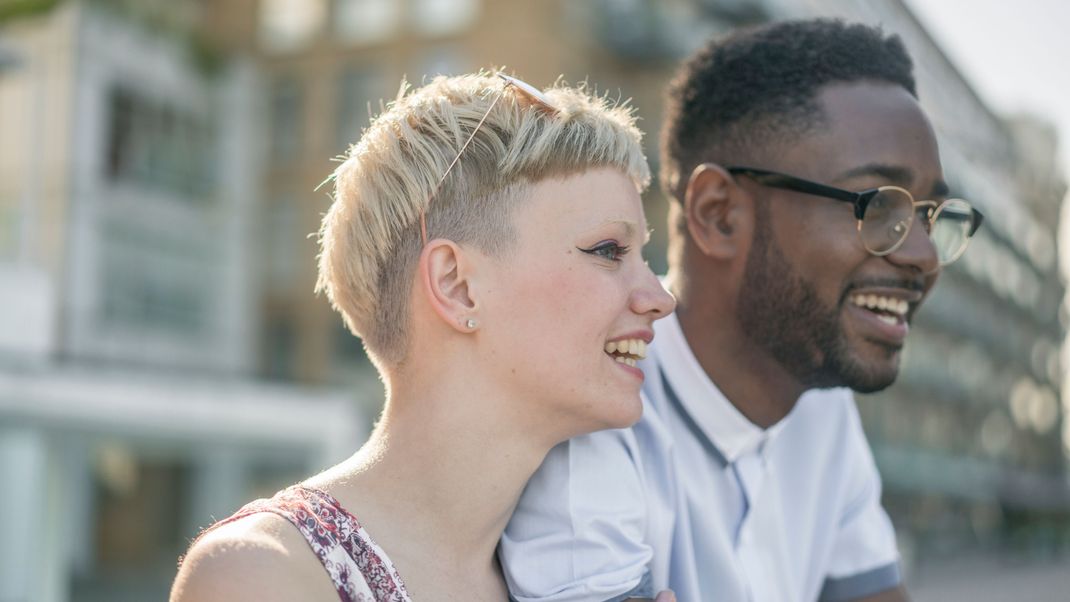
(608, 250)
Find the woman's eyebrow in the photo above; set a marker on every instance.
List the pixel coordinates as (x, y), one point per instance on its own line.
(630, 227)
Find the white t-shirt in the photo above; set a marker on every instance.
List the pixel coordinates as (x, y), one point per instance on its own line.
(699, 499)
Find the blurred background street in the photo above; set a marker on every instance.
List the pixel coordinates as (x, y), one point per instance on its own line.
(162, 351)
(989, 579)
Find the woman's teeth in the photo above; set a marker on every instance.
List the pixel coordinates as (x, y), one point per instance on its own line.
(893, 309)
(627, 351)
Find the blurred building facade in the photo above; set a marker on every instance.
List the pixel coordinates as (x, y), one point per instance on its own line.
(157, 204)
(130, 411)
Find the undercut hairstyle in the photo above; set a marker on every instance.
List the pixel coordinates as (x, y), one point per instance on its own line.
(370, 238)
(743, 97)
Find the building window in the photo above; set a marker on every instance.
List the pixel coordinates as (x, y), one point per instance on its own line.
(366, 21)
(159, 146)
(280, 240)
(359, 90)
(286, 101)
(289, 25)
(151, 283)
(443, 17)
(140, 510)
(347, 348)
(443, 59)
(9, 226)
(279, 360)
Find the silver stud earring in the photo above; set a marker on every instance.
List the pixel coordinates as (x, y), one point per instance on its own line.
(471, 323)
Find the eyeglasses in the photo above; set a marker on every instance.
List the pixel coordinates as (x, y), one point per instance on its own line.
(886, 214)
(531, 92)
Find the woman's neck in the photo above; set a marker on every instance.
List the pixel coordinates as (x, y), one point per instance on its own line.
(439, 478)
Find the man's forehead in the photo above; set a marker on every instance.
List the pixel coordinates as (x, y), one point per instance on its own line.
(869, 129)
(897, 175)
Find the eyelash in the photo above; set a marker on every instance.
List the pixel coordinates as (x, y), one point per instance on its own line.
(609, 249)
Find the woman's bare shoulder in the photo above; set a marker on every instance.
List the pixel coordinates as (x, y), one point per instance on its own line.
(258, 557)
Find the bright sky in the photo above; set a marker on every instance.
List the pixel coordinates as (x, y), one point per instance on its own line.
(1016, 53)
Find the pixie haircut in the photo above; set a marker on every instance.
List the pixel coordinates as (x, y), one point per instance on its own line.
(370, 238)
(740, 97)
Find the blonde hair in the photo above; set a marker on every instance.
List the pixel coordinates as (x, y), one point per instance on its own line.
(370, 237)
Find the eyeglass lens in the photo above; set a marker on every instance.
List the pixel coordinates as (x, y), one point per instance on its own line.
(889, 216)
(951, 229)
(887, 220)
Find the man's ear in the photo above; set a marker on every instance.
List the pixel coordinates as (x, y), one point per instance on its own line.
(717, 211)
(445, 272)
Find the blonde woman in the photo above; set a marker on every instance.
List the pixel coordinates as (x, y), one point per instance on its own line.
(484, 242)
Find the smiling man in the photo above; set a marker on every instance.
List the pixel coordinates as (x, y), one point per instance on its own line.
(810, 221)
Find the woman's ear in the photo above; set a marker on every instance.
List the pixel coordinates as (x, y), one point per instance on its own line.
(445, 271)
(717, 210)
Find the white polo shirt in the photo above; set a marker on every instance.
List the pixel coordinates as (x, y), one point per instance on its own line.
(699, 499)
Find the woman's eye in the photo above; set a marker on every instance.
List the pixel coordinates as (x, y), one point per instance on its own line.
(608, 250)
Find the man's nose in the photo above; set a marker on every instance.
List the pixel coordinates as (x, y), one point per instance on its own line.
(917, 251)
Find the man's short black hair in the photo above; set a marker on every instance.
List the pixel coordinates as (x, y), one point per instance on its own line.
(756, 89)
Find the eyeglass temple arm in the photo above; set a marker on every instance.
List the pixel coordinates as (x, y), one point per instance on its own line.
(978, 217)
(779, 180)
(859, 199)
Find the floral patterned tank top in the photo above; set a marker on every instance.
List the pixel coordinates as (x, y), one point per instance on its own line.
(359, 569)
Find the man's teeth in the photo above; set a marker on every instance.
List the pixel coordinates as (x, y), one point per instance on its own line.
(630, 361)
(890, 320)
(881, 303)
(630, 350)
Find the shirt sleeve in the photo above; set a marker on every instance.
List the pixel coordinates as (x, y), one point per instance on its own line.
(577, 533)
(865, 559)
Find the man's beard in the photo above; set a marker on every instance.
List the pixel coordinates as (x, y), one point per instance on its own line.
(781, 312)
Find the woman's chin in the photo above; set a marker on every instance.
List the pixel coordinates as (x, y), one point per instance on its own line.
(627, 410)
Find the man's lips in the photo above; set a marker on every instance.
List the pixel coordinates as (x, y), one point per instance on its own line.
(885, 312)
(884, 328)
(884, 303)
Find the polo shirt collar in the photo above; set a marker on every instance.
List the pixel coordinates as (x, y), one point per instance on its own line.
(730, 432)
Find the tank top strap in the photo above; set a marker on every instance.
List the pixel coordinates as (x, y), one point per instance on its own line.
(357, 566)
